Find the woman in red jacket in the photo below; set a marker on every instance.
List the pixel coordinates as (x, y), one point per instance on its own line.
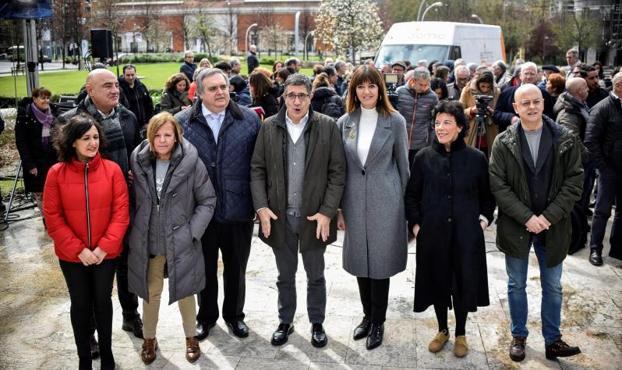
(86, 209)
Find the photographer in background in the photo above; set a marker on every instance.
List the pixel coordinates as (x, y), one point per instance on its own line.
(479, 98)
(399, 68)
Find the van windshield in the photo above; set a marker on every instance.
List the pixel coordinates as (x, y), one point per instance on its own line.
(392, 53)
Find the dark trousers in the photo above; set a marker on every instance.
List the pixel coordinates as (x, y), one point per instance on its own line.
(90, 288)
(287, 264)
(234, 242)
(128, 300)
(609, 193)
(374, 297)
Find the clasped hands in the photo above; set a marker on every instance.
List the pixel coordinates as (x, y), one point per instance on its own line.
(537, 224)
(92, 257)
(321, 232)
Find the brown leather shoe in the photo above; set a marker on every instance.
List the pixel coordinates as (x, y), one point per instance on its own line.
(148, 353)
(193, 351)
(517, 349)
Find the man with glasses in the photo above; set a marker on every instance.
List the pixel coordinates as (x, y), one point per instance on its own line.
(224, 134)
(536, 177)
(462, 77)
(505, 114)
(297, 179)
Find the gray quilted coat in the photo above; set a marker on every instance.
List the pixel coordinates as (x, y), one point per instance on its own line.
(179, 220)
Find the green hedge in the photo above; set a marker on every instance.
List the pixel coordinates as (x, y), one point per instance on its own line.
(163, 58)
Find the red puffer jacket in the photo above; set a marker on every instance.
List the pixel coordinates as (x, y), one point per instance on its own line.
(86, 214)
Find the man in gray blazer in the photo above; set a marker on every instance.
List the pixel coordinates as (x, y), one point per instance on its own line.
(297, 179)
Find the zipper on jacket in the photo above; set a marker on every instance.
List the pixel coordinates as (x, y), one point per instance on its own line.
(88, 214)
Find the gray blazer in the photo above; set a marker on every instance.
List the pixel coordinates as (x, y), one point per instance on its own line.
(376, 239)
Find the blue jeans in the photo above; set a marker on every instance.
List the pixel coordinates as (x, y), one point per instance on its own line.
(550, 279)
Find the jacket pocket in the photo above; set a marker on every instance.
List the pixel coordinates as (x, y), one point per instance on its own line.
(237, 203)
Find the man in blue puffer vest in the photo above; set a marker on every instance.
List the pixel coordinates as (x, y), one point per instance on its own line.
(224, 133)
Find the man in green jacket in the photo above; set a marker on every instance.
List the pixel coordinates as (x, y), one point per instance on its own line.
(297, 179)
(536, 177)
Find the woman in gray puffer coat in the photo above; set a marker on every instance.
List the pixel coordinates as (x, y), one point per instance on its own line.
(175, 202)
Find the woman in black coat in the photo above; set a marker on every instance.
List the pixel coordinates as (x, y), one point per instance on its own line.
(33, 127)
(448, 205)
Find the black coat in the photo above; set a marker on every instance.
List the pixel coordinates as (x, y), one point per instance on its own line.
(446, 194)
(268, 102)
(33, 153)
(138, 99)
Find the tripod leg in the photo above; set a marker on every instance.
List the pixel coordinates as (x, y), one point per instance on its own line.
(8, 208)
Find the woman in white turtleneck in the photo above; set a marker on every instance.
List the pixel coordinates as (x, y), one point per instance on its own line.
(372, 212)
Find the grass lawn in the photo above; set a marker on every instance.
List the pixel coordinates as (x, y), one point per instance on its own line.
(69, 82)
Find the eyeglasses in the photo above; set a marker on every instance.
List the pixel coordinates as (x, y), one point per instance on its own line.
(293, 97)
(528, 103)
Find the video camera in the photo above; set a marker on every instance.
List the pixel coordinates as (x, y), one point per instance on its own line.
(481, 103)
(390, 81)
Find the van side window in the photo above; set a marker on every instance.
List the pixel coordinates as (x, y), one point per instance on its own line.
(455, 52)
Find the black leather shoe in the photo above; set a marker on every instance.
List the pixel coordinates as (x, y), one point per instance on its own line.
(133, 324)
(362, 330)
(595, 258)
(517, 349)
(203, 329)
(279, 337)
(374, 338)
(318, 336)
(559, 348)
(94, 347)
(238, 328)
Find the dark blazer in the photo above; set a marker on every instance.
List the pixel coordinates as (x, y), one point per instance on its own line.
(325, 172)
(228, 161)
(446, 194)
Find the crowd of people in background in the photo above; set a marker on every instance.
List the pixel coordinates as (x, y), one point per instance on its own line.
(421, 150)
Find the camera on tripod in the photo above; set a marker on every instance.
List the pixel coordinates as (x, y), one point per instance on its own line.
(481, 103)
(390, 81)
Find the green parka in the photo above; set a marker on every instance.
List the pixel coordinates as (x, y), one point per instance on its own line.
(508, 183)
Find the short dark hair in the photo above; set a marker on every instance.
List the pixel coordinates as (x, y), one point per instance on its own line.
(456, 109)
(67, 134)
(223, 66)
(127, 66)
(298, 79)
(330, 71)
(439, 83)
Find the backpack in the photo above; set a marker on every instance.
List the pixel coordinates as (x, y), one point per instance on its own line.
(332, 107)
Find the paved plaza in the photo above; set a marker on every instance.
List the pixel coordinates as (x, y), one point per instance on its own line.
(35, 330)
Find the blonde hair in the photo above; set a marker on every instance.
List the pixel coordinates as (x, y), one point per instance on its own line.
(155, 124)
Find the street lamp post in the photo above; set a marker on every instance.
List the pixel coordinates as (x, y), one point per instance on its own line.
(246, 37)
(420, 8)
(475, 16)
(436, 4)
(305, 46)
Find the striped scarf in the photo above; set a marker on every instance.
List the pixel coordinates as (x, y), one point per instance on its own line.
(115, 149)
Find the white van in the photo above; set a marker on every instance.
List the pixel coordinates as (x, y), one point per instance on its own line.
(413, 41)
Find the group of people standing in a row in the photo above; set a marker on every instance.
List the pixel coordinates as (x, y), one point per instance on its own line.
(199, 178)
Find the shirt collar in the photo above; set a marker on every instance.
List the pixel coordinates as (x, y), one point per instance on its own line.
(615, 97)
(104, 116)
(206, 112)
(302, 122)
